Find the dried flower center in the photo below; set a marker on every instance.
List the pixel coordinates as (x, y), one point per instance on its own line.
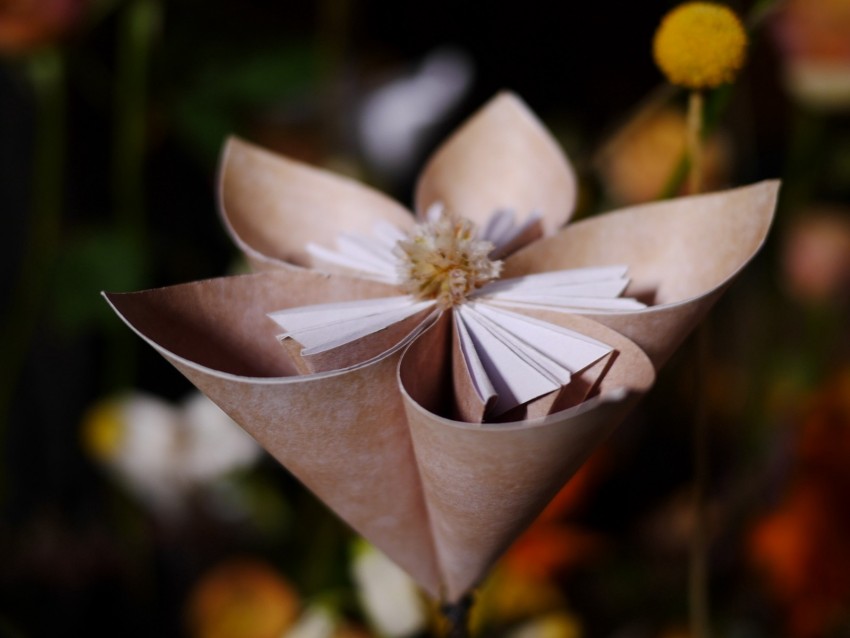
(443, 260)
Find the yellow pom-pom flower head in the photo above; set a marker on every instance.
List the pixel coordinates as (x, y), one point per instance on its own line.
(700, 45)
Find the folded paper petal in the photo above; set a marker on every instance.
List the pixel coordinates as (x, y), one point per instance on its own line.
(502, 157)
(343, 434)
(681, 253)
(274, 206)
(484, 484)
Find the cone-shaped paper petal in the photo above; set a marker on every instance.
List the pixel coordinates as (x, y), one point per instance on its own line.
(502, 157)
(343, 434)
(274, 206)
(485, 484)
(681, 255)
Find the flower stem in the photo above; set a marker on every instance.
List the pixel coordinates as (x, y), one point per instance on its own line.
(698, 569)
(138, 24)
(456, 617)
(694, 141)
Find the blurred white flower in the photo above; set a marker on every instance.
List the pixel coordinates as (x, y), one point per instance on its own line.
(162, 452)
(395, 119)
(555, 625)
(217, 445)
(818, 84)
(388, 595)
(315, 622)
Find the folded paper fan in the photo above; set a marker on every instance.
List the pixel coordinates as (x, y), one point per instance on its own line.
(511, 359)
(377, 398)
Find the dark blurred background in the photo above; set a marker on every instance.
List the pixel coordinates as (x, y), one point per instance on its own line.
(119, 513)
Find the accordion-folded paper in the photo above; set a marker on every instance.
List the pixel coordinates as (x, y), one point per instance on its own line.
(374, 431)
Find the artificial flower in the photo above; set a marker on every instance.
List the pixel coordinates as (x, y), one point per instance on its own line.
(374, 438)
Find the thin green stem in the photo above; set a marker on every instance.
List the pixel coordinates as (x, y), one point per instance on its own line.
(694, 141)
(138, 25)
(698, 573)
(47, 76)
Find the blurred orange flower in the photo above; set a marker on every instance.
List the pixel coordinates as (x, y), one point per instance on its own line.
(241, 598)
(801, 547)
(640, 159)
(522, 585)
(28, 24)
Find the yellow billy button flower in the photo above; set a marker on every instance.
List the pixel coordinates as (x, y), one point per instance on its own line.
(443, 260)
(700, 45)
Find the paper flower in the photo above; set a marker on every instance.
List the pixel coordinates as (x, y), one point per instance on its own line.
(440, 497)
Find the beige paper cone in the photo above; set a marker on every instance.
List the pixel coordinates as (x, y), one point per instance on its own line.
(681, 255)
(485, 484)
(273, 206)
(501, 157)
(343, 435)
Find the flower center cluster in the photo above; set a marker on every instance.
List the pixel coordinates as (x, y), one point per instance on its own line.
(443, 260)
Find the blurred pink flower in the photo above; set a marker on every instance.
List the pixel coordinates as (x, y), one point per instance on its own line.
(816, 255)
(814, 37)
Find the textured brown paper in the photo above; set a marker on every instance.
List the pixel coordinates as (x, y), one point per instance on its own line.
(503, 157)
(273, 206)
(347, 436)
(681, 253)
(440, 497)
(343, 435)
(484, 484)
